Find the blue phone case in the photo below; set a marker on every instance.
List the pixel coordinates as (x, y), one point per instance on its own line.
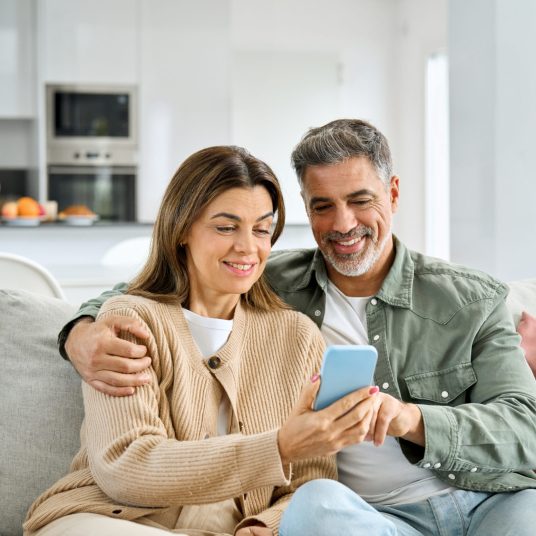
(346, 368)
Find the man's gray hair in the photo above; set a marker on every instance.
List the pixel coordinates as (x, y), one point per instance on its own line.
(342, 139)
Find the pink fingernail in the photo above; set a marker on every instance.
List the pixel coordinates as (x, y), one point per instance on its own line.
(314, 378)
(373, 390)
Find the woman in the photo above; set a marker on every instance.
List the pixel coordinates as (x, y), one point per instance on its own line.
(207, 447)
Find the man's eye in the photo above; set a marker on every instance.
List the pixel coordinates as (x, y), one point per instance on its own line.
(320, 208)
(361, 202)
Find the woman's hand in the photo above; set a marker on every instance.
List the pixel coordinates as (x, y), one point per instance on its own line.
(307, 433)
(254, 531)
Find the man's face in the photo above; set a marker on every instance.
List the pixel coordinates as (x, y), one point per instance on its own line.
(350, 210)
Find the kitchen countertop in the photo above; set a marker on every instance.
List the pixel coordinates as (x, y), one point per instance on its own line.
(62, 225)
(74, 254)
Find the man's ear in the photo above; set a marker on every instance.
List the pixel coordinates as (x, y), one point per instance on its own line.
(394, 192)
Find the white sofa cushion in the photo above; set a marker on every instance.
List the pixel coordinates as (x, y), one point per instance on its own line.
(522, 297)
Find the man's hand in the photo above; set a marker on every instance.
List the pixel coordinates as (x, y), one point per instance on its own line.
(395, 418)
(110, 364)
(527, 329)
(307, 433)
(254, 531)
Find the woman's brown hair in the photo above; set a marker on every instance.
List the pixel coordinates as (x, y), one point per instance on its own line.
(199, 180)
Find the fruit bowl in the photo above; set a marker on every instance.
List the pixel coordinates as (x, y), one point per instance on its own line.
(23, 221)
(75, 219)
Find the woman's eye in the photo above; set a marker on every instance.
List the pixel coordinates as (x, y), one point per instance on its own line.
(263, 232)
(225, 229)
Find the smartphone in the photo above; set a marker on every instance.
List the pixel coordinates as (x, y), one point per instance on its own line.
(346, 368)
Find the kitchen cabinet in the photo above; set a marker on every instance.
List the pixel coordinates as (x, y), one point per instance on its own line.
(184, 89)
(308, 96)
(89, 42)
(17, 61)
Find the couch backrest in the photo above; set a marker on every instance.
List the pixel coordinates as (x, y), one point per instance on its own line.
(40, 403)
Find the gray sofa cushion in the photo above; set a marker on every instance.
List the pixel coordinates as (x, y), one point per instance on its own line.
(40, 403)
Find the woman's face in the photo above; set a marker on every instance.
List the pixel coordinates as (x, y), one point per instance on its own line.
(227, 247)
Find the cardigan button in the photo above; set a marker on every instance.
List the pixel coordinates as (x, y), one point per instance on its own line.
(214, 362)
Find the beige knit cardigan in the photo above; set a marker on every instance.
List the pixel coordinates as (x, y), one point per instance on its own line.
(143, 457)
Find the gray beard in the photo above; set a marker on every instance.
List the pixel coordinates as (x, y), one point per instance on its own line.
(359, 265)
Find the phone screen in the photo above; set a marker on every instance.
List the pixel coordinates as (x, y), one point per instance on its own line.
(346, 368)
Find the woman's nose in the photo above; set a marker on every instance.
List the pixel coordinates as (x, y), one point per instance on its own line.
(245, 242)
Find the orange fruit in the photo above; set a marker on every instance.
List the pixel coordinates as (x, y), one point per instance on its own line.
(28, 207)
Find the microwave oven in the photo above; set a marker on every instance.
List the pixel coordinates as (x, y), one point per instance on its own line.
(91, 125)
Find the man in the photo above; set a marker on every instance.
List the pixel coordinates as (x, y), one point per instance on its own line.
(457, 401)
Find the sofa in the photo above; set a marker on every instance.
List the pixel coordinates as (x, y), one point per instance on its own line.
(40, 399)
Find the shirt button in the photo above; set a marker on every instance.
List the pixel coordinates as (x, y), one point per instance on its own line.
(385, 385)
(451, 476)
(427, 465)
(437, 465)
(444, 394)
(241, 426)
(376, 337)
(214, 362)
(318, 312)
(374, 301)
(474, 469)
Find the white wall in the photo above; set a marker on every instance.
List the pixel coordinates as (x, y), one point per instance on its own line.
(493, 112)
(421, 31)
(303, 63)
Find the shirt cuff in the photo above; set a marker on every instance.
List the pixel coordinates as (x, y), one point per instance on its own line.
(441, 438)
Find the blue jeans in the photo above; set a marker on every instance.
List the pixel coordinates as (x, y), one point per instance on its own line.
(327, 508)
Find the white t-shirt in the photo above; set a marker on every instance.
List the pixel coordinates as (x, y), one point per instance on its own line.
(380, 475)
(210, 334)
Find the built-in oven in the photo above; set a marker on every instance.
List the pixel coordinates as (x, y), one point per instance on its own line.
(92, 148)
(110, 192)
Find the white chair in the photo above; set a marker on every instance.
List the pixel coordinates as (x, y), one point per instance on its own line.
(20, 273)
(132, 252)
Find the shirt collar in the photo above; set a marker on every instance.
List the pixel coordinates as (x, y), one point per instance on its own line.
(397, 287)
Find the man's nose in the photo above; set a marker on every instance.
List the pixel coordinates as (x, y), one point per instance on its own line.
(345, 220)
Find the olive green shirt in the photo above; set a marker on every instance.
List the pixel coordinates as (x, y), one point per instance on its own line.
(446, 341)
